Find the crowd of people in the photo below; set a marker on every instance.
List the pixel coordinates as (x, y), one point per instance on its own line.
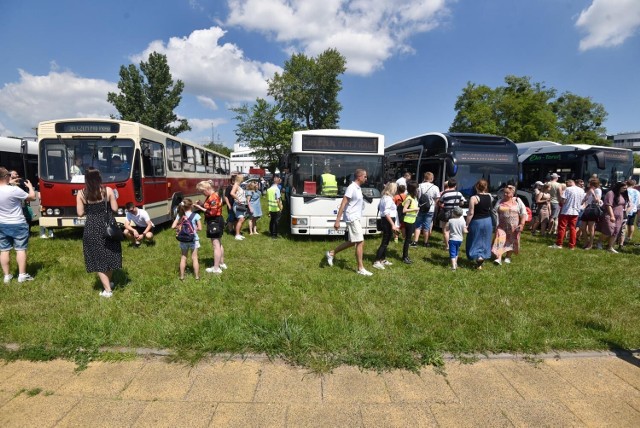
(407, 209)
(493, 227)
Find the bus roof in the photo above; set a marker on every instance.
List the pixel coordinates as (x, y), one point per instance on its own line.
(479, 138)
(343, 132)
(12, 145)
(551, 147)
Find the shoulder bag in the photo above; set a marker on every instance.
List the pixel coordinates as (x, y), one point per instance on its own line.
(112, 229)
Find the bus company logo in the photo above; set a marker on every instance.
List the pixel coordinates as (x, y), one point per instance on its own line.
(535, 158)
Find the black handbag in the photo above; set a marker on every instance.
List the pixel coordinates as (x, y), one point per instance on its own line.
(592, 212)
(112, 230)
(215, 227)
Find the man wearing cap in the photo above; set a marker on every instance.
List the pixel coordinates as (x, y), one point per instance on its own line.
(555, 189)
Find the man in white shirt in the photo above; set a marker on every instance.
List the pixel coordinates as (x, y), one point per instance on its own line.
(571, 205)
(137, 225)
(351, 209)
(14, 230)
(403, 180)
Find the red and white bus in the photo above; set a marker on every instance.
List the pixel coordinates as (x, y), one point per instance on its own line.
(150, 168)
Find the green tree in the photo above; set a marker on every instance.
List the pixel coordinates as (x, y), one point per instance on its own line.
(149, 95)
(260, 128)
(224, 150)
(580, 119)
(520, 110)
(306, 93)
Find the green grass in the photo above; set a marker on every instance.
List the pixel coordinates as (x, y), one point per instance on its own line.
(281, 299)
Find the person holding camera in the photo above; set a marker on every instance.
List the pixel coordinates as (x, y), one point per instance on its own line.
(14, 229)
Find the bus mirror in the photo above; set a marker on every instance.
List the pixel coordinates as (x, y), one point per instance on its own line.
(600, 160)
(23, 147)
(452, 166)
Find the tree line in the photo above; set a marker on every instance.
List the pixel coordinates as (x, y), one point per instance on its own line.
(305, 96)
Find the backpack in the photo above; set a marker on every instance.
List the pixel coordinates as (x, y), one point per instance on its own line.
(424, 202)
(186, 232)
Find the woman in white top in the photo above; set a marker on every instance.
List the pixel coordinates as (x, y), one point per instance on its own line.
(388, 213)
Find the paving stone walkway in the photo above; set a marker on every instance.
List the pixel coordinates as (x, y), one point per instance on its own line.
(589, 390)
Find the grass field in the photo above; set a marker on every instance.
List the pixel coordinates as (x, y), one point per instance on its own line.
(279, 297)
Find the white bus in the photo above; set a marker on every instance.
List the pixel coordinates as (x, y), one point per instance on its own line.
(337, 152)
(21, 155)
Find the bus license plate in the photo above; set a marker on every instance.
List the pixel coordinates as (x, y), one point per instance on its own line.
(78, 221)
(335, 232)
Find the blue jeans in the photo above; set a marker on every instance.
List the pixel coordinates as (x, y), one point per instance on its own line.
(14, 236)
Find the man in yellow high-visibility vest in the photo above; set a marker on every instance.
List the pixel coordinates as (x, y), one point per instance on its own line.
(275, 206)
(329, 184)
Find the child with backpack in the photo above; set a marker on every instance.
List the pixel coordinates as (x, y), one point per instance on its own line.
(187, 224)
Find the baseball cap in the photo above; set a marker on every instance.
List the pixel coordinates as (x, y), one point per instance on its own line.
(554, 175)
(457, 211)
(538, 183)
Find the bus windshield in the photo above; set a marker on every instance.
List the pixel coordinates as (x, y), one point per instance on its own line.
(65, 160)
(498, 175)
(307, 170)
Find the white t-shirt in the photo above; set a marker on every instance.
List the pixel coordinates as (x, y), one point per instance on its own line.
(355, 206)
(139, 219)
(431, 190)
(11, 198)
(573, 197)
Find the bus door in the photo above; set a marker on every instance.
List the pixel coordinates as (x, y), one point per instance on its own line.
(434, 166)
(154, 189)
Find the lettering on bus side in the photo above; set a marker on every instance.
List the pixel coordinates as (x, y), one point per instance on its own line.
(534, 158)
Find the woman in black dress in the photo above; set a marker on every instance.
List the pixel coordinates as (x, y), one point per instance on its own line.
(101, 255)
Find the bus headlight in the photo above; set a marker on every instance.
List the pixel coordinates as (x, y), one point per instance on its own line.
(56, 211)
(372, 222)
(49, 211)
(298, 221)
(120, 212)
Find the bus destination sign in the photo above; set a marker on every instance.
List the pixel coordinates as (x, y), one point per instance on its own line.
(318, 143)
(87, 128)
(483, 157)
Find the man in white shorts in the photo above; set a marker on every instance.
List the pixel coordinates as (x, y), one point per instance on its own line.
(351, 210)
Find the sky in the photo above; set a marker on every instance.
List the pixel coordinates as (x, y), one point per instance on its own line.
(407, 60)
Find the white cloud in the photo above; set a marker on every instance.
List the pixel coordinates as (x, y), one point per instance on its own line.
(366, 32)
(608, 23)
(207, 102)
(212, 70)
(57, 95)
(198, 125)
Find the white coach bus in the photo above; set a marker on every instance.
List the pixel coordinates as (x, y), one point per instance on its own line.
(338, 153)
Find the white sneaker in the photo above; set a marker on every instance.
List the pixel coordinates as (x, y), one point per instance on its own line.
(213, 270)
(612, 250)
(51, 234)
(43, 236)
(105, 293)
(329, 258)
(507, 260)
(386, 263)
(8, 278)
(223, 266)
(239, 237)
(378, 265)
(555, 247)
(364, 272)
(498, 262)
(23, 277)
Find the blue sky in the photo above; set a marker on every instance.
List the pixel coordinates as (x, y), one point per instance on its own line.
(407, 60)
